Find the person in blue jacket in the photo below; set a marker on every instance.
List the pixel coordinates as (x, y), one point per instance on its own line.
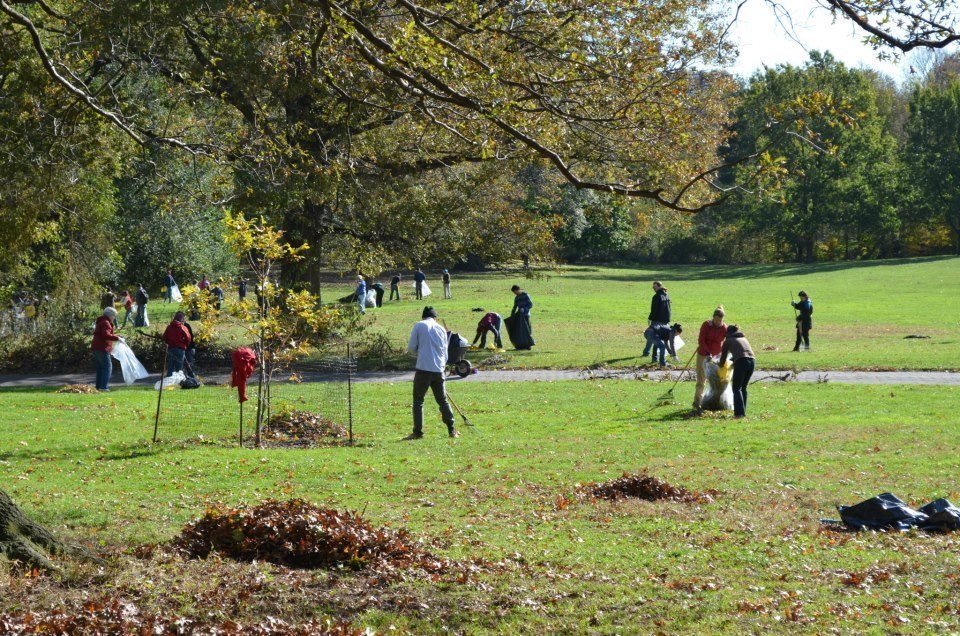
(804, 321)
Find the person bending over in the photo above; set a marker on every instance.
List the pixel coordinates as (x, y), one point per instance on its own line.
(744, 363)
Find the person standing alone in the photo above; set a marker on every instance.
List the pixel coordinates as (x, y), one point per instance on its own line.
(446, 285)
(804, 321)
(395, 286)
(428, 341)
(170, 284)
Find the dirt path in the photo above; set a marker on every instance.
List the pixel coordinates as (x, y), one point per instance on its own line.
(942, 378)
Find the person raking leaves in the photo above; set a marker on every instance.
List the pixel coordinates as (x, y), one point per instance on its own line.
(804, 321)
(428, 341)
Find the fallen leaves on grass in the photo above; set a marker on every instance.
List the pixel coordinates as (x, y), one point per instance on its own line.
(298, 534)
(114, 616)
(643, 486)
(300, 428)
(77, 388)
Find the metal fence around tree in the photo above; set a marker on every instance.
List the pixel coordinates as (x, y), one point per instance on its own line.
(320, 386)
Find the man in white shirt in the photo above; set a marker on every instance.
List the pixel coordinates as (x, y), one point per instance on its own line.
(428, 341)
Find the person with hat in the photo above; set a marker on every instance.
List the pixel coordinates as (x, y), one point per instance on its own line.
(446, 285)
(428, 341)
(102, 345)
(804, 321)
(744, 362)
(178, 339)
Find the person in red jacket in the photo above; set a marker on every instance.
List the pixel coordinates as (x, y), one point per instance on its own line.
(102, 345)
(178, 339)
(712, 334)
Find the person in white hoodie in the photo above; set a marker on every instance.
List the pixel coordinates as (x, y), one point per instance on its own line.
(428, 341)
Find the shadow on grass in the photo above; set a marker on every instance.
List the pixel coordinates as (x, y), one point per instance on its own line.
(647, 273)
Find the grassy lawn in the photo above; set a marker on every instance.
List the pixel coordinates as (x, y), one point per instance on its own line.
(755, 560)
(593, 315)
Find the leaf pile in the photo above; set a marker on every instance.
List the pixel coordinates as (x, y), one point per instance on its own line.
(77, 388)
(300, 428)
(110, 616)
(298, 534)
(643, 486)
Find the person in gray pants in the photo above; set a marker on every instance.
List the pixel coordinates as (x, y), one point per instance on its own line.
(428, 341)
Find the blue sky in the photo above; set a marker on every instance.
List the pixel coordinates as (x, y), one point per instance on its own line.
(762, 40)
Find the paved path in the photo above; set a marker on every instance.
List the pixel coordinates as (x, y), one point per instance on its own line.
(942, 378)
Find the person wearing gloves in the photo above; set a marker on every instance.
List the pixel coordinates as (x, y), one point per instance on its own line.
(709, 344)
(428, 341)
(361, 294)
(744, 363)
(178, 339)
(102, 345)
(804, 321)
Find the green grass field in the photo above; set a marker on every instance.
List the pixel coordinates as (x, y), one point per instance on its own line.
(586, 316)
(755, 560)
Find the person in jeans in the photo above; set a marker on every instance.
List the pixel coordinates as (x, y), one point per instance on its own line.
(127, 306)
(709, 344)
(493, 323)
(446, 285)
(178, 339)
(804, 321)
(395, 286)
(744, 362)
(665, 337)
(102, 345)
(428, 341)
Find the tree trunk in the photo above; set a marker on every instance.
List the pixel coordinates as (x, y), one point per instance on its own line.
(21, 539)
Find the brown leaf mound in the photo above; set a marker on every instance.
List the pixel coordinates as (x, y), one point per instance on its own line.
(107, 617)
(298, 534)
(303, 429)
(77, 388)
(643, 486)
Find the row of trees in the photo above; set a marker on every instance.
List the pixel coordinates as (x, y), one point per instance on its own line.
(397, 132)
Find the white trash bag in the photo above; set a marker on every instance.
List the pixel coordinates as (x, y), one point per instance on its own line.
(426, 288)
(131, 367)
(175, 294)
(173, 382)
(678, 343)
(718, 395)
(370, 300)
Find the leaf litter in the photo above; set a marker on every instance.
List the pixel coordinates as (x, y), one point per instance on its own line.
(303, 429)
(643, 486)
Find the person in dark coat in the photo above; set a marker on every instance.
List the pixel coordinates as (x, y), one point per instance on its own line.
(378, 289)
(395, 286)
(102, 345)
(170, 283)
(418, 278)
(804, 321)
(109, 299)
(190, 355)
(660, 312)
(744, 363)
(518, 323)
(142, 298)
(242, 289)
(217, 292)
(666, 337)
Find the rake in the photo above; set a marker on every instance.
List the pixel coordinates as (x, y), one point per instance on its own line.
(457, 408)
(667, 398)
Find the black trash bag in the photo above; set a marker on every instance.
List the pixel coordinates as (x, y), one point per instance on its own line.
(352, 298)
(941, 515)
(190, 383)
(519, 331)
(881, 512)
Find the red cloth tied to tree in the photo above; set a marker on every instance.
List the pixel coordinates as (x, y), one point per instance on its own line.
(244, 361)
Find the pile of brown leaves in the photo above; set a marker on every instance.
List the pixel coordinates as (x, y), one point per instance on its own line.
(113, 616)
(643, 486)
(298, 534)
(77, 388)
(301, 428)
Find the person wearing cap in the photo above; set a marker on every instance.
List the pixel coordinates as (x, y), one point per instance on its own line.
(102, 345)
(804, 321)
(428, 341)
(178, 339)
(709, 344)
(446, 285)
(744, 362)
(361, 294)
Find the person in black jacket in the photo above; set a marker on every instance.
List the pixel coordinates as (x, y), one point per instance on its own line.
(804, 321)
(659, 306)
